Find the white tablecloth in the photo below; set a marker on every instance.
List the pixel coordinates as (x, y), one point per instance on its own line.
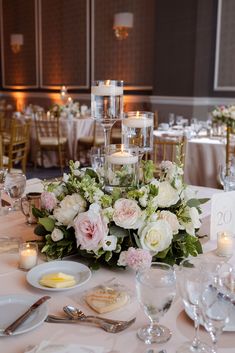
(203, 157)
(124, 342)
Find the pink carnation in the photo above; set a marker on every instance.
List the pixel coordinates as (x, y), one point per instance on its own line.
(49, 200)
(90, 230)
(135, 258)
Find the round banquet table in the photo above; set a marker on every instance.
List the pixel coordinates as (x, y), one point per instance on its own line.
(203, 157)
(181, 326)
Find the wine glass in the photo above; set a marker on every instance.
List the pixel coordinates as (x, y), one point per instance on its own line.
(215, 304)
(15, 184)
(189, 280)
(171, 119)
(155, 292)
(3, 173)
(221, 174)
(97, 157)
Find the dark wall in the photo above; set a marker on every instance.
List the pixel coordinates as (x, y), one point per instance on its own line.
(175, 47)
(171, 46)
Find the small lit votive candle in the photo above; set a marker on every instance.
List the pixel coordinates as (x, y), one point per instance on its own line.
(28, 255)
(224, 244)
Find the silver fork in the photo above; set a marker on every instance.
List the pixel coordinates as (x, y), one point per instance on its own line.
(108, 327)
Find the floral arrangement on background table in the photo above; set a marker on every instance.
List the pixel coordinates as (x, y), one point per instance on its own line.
(156, 221)
(71, 108)
(224, 114)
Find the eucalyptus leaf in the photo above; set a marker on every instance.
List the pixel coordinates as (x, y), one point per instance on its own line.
(47, 223)
(118, 231)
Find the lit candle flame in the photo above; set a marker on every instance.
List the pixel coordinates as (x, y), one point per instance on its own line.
(122, 148)
(107, 83)
(138, 114)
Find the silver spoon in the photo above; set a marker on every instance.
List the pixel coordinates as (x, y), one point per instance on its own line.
(77, 314)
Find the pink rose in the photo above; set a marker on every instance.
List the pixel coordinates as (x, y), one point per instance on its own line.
(49, 200)
(127, 214)
(90, 230)
(135, 258)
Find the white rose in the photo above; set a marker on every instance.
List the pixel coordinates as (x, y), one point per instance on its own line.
(57, 234)
(171, 219)
(76, 165)
(167, 195)
(127, 214)
(69, 207)
(233, 115)
(194, 223)
(188, 193)
(156, 236)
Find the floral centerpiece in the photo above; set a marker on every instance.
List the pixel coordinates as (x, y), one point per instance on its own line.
(224, 114)
(71, 108)
(156, 221)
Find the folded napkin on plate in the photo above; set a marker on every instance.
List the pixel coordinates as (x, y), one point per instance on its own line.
(48, 347)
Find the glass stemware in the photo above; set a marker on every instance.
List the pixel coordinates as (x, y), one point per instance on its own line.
(171, 119)
(3, 173)
(15, 184)
(107, 104)
(189, 280)
(215, 303)
(155, 292)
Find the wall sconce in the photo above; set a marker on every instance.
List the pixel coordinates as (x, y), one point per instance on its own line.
(17, 40)
(123, 21)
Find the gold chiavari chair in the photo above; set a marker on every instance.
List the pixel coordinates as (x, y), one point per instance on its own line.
(50, 137)
(1, 152)
(85, 143)
(16, 149)
(171, 149)
(230, 147)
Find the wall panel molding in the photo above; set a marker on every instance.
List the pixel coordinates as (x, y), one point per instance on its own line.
(224, 75)
(64, 52)
(16, 73)
(132, 59)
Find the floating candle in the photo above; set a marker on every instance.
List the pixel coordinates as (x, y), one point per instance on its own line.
(138, 121)
(122, 157)
(107, 89)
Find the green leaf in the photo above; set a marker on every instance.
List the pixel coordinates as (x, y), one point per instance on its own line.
(118, 231)
(37, 213)
(40, 230)
(203, 200)
(137, 240)
(162, 254)
(47, 223)
(108, 255)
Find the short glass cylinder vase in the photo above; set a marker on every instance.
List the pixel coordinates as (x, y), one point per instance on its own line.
(121, 167)
(107, 104)
(137, 129)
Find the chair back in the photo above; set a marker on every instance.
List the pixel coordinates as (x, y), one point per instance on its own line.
(6, 117)
(47, 126)
(171, 149)
(19, 142)
(1, 152)
(230, 147)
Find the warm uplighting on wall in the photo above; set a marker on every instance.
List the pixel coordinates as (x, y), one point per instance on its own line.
(17, 40)
(123, 22)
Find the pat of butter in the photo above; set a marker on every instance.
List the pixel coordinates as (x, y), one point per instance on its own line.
(57, 280)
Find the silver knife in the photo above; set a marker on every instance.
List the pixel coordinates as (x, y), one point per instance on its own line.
(12, 327)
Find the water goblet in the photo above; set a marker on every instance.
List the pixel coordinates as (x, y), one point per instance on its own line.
(189, 281)
(156, 290)
(215, 304)
(15, 184)
(97, 156)
(3, 173)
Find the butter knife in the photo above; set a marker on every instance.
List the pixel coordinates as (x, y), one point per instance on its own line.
(12, 327)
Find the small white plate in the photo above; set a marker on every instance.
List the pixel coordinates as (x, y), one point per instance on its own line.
(13, 306)
(80, 272)
(230, 327)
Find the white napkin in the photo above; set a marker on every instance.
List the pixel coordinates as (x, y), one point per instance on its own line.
(48, 347)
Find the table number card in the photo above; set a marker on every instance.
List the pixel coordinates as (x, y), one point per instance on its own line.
(222, 213)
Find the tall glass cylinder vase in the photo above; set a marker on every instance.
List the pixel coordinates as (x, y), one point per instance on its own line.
(107, 104)
(137, 129)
